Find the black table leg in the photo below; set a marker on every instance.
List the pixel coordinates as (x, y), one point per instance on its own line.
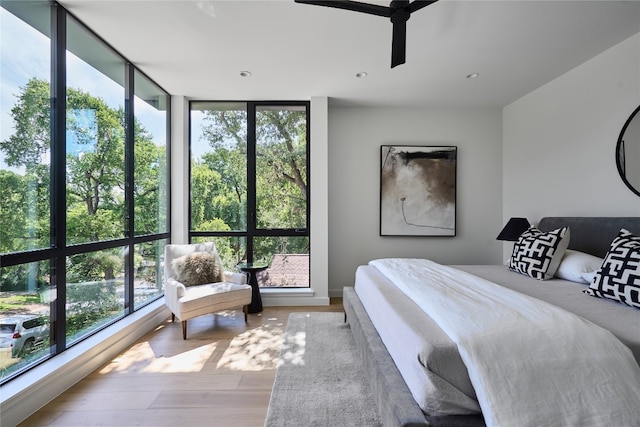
(256, 298)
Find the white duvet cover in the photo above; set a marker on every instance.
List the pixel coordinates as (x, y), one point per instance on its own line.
(531, 363)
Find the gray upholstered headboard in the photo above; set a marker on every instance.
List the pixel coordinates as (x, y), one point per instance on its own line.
(592, 235)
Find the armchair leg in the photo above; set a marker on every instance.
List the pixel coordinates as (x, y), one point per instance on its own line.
(245, 309)
(184, 329)
(173, 317)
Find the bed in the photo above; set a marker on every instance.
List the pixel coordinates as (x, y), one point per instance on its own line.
(434, 388)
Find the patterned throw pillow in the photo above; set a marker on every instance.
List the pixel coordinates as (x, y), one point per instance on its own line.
(197, 268)
(538, 254)
(619, 277)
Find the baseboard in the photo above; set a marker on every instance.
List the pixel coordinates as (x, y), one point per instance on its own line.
(29, 392)
(279, 297)
(336, 293)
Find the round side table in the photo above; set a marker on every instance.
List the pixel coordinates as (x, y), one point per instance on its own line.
(252, 268)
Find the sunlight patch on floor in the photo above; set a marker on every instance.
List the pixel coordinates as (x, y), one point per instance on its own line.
(189, 361)
(293, 349)
(137, 355)
(141, 358)
(253, 350)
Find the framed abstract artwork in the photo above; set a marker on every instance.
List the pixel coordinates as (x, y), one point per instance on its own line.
(418, 190)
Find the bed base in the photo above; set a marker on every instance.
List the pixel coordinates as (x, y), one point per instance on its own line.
(395, 402)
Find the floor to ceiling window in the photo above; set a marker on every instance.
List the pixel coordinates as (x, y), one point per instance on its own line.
(250, 186)
(84, 213)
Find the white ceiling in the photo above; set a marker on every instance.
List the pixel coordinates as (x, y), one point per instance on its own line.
(296, 51)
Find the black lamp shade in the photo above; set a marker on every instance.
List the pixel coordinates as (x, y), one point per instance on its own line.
(514, 228)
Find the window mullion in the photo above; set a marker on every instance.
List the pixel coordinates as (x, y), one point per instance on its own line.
(58, 173)
(251, 178)
(129, 173)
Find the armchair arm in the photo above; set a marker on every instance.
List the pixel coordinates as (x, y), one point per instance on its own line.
(237, 278)
(173, 291)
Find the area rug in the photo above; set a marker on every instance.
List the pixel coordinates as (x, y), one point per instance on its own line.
(319, 379)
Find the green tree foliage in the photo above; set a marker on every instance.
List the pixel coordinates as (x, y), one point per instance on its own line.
(149, 193)
(282, 139)
(88, 304)
(229, 248)
(214, 200)
(13, 202)
(24, 217)
(30, 142)
(219, 178)
(95, 172)
(94, 266)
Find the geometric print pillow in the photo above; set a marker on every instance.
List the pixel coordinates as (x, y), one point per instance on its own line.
(619, 276)
(538, 254)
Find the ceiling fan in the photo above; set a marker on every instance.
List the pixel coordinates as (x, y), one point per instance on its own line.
(399, 11)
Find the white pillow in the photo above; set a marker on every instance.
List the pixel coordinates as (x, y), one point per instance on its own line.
(575, 265)
(588, 277)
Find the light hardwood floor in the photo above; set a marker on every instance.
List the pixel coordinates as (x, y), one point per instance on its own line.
(220, 376)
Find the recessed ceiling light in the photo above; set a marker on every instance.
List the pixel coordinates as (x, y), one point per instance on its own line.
(472, 75)
(361, 74)
(245, 73)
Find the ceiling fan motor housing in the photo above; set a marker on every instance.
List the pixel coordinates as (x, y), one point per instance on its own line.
(399, 10)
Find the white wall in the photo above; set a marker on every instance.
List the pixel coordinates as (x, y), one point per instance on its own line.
(355, 137)
(559, 141)
(179, 169)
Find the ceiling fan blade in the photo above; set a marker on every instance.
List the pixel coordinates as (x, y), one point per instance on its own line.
(372, 9)
(419, 4)
(399, 43)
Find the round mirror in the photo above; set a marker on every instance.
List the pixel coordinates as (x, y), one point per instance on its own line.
(628, 152)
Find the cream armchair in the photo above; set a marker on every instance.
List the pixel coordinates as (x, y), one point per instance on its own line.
(187, 302)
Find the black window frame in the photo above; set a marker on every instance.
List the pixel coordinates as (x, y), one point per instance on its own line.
(58, 250)
(252, 230)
